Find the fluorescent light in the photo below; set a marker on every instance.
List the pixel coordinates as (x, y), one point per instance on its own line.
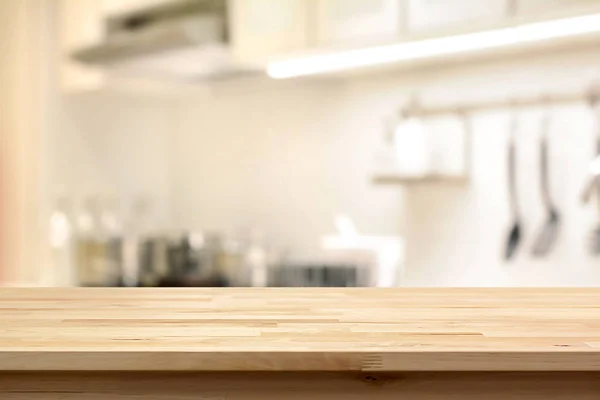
(527, 33)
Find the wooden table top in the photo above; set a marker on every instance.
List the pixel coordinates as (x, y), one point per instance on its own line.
(300, 329)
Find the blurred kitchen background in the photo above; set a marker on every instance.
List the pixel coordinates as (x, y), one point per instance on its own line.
(300, 143)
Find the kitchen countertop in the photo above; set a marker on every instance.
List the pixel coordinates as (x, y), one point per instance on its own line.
(300, 329)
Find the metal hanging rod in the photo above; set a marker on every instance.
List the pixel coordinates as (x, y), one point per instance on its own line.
(417, 110)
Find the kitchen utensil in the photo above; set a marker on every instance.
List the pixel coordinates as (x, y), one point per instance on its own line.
(548, 234)
(593, 184)
(328, 274)
(515, 232)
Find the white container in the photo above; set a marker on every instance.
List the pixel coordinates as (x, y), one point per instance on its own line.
(413, 148)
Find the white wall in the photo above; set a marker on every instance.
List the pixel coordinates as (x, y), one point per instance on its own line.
(288, 158)
(113, 143)
(285, 159)
(456, 235)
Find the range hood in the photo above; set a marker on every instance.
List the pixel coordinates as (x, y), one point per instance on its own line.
(182, 39)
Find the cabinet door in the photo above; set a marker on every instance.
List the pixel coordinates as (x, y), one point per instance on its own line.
(263, 29)
(348, 21)
(432, 15)
(549, 6)
(123, 6)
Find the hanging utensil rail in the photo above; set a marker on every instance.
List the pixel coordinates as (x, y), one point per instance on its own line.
(424, 111)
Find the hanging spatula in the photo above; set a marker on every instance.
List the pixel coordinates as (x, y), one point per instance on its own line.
(515, 232)
(593, 184)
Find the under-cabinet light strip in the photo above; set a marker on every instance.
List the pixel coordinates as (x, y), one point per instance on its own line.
(526, 33)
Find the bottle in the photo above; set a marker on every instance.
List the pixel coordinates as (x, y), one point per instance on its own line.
(111, 242)
(135, 242)
(88, 246)
(61, 271)
(256, 259)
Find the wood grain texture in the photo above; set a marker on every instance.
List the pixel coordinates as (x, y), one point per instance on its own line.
(300, 329)
(301, 386)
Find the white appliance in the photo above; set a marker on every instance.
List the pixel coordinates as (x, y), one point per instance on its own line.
(181, 39)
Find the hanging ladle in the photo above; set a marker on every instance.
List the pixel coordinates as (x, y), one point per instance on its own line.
(547, 235)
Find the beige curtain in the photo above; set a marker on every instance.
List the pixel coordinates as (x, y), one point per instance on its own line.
(23, 66)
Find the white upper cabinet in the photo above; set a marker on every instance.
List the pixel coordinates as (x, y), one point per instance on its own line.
(263, 29)
(358, 21)
(530, 7)
(122, 6)
(432, 15)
